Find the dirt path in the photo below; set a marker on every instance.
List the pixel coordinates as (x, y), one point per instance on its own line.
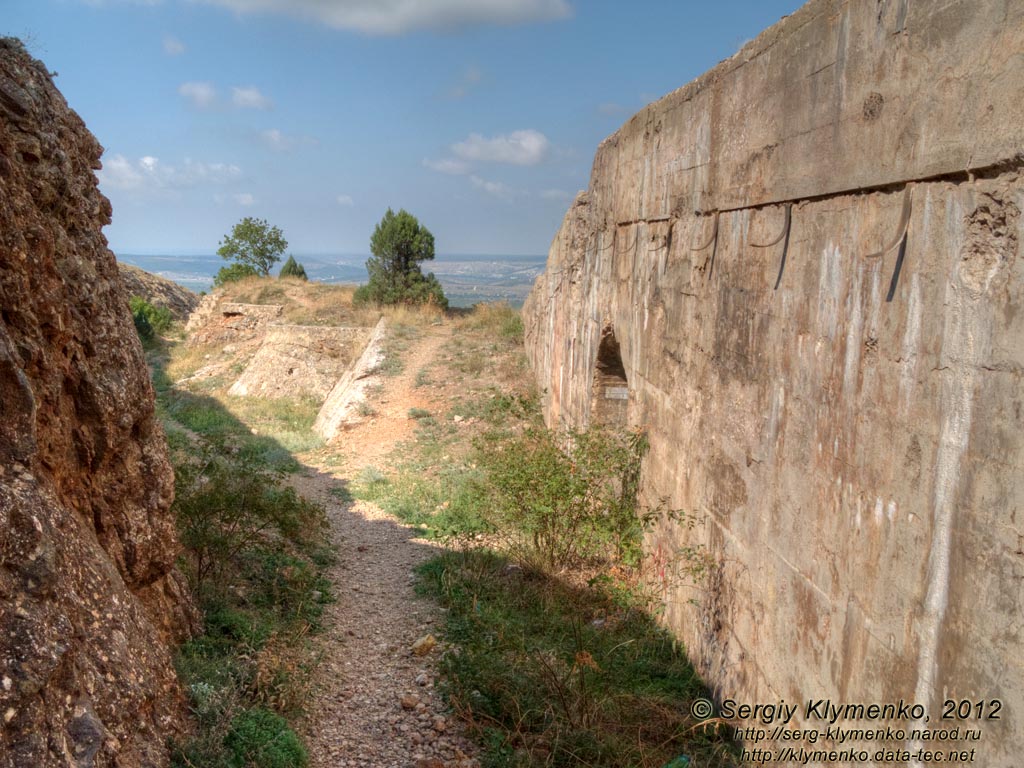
(375, 704)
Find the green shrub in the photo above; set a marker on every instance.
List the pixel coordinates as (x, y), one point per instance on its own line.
(292, 268)
(234, 272)
(261, 739)
(563, 499)
(399, 243)
(227, 500)
(425, 290)
(150, 320)
(142, 325)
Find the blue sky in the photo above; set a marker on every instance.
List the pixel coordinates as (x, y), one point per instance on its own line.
(480, 117)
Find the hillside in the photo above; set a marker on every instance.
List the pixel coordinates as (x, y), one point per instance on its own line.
(158, 291)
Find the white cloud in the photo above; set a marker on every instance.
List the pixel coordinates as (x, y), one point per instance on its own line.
(526, 147)
(202, 95)
(555, 194)
(244, 198)
(495, 188)
(396, 17)
(448, 165)
(148, 173)
(249, 97)
(345, 200)
(173, 46)
(118, 173)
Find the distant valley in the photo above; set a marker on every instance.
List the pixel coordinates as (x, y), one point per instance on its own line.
(467, 279)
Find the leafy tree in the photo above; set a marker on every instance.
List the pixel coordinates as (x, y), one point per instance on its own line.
(399, 243)
(292, 268)
(232, 273)
(254, 242)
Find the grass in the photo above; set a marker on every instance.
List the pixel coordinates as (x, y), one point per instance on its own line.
(496, 320)
(313, 303)
(553, 675)
(255, 557)
(288, 421)
(186, 360)
(558, 661)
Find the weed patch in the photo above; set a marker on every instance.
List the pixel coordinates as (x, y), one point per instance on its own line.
(255, 559)
(552, 675)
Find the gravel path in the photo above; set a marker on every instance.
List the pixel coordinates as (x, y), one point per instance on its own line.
(375, 705)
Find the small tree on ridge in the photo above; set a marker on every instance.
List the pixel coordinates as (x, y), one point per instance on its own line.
(399, 243)
(292, 268)
(255, 243)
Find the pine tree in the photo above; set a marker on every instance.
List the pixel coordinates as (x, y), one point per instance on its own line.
(399, 244)
(292, 268)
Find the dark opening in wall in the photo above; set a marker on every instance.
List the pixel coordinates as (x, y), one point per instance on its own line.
(610, 396)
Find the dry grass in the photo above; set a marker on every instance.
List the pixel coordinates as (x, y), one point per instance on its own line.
(313, 303)
(498, 320)
(305, 302)
(289, 421)
(187, 359)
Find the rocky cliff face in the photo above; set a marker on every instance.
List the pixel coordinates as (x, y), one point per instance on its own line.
(841, 410)
(89, 598)
(159, 291)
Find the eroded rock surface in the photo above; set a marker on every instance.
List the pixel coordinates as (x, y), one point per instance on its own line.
(90, 601)
(159, 291)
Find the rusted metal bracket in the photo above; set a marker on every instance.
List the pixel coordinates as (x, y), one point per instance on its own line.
(899, 241)
(901, 231)
(667, 243)
(783, 233)
(785, 246)
(712, 241)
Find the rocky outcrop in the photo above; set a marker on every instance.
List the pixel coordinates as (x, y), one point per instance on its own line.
(90, 601)
(840, 411)
(159, 291)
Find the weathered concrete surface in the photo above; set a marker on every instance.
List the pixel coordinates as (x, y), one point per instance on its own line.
(216, 322)
(855, 463)
(90, 601)
(341, 408)
(831, 99)
(300, 360)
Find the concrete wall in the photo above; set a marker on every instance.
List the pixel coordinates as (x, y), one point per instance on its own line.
(854, 461)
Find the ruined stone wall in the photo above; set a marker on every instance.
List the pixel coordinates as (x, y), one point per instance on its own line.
(90, 601)
(846, 428)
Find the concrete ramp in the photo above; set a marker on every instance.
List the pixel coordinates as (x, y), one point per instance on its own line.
(299, 360)
(341, 407)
